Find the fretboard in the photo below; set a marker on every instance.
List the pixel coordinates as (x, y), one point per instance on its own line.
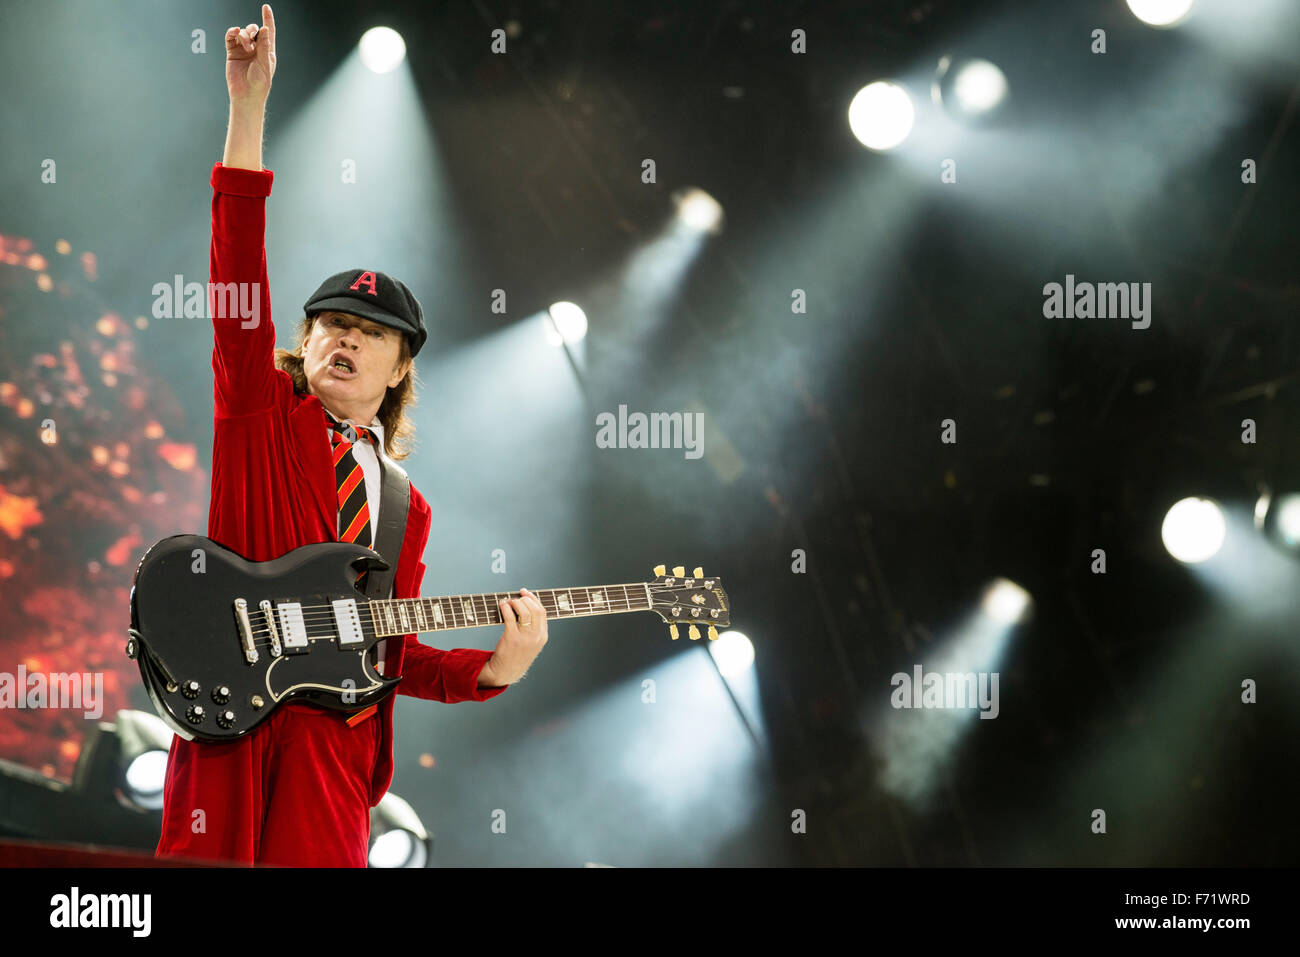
(404, 616)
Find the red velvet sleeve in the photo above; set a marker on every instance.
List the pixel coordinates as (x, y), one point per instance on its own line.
(239, 296)
(448, 676)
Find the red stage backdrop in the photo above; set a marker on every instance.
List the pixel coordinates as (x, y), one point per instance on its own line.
(95, 465)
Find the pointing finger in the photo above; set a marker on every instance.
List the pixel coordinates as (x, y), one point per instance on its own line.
(268, 22)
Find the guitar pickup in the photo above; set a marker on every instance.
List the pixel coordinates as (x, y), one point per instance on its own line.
(348, 623)
(292, 626)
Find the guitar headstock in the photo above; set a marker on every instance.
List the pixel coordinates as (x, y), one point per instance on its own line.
(694, 601)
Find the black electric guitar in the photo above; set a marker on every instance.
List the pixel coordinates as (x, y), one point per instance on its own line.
(221, 641)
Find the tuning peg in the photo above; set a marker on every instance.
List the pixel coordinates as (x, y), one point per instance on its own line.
(699, 572)
(672, 630)
(679, 571)
(659, 571)
(694, 633)
(713, 633)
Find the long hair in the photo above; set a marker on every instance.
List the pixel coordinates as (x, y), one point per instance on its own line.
(399, 431)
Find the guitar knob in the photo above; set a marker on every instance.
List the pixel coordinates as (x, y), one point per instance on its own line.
(659, 571)
(679, 571)
(226, 719)
(694, 633)
(220, 694)
(190, 689)
(672, 630)
(256, 702)
(713, 633)
(195, 714)
(699, 572)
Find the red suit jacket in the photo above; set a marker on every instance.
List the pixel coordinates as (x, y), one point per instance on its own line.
(273, 485)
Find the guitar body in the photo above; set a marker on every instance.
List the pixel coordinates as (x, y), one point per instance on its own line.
(193, 649)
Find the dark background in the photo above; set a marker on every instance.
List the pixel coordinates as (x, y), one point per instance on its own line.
(522, 172)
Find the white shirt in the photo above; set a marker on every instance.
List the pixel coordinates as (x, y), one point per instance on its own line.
(365, 455)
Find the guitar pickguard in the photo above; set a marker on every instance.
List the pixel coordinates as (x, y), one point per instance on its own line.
(283, 678)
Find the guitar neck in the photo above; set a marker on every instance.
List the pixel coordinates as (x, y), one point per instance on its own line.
(404, 616)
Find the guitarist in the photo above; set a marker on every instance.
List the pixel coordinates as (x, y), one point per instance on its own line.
(298, 789)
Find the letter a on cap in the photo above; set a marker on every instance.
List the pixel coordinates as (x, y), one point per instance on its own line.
(366, 278)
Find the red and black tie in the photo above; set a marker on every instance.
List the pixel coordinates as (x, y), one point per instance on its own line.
(354, 509)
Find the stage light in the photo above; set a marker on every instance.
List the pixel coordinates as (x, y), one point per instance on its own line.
(1278, 517)
(1005, 602)
(568, 323)
(918, 747)
(382, 49)
(1193, 530)
(145, 776)
(970, 89)
(127, 756)
(881, 115)
(1261, 509)
(1288, 519)
(396, 849)
(699, 211)
(145, 742)
(733, 653)
(980, 86)
(397, 836)
(1160, 13)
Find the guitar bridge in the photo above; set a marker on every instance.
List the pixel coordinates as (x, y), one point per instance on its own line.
(245, 631)
(267, 612)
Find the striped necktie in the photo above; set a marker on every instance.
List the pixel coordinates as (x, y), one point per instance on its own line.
(354, 509)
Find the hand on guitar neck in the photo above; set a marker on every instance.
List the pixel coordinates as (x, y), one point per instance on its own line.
(520, 643)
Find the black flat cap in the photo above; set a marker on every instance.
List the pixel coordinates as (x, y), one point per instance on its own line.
(375, 296)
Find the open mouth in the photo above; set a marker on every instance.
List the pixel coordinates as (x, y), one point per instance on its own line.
(342, 367)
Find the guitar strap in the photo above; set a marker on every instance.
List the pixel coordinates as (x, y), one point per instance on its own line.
(394, 504)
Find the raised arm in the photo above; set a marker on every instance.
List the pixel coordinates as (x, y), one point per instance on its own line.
(239, 297)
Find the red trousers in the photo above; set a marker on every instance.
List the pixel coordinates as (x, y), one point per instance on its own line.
(294, 792)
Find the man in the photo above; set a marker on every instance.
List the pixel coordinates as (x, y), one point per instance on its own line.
(296, 453)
